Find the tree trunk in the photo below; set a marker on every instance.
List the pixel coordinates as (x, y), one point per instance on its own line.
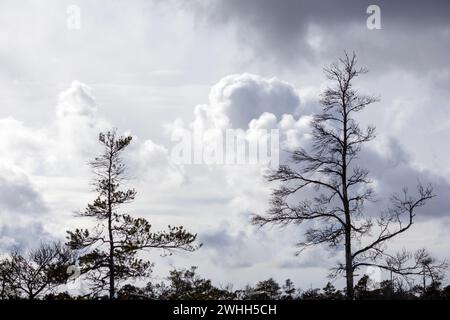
(111, 260)
(110, 233)
(346, 204)
(348, 244)
(424, 283)
(349, 267)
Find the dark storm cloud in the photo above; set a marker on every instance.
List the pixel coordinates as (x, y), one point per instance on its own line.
(282, 30)
(221, 244)
(23, 237)
(277, 26)
(19, 201)
(280, 22)
(17, 196)
(393, 172)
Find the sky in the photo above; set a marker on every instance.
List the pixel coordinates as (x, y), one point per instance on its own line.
(155, 68)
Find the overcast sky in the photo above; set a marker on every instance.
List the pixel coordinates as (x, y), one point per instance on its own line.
(151, 68)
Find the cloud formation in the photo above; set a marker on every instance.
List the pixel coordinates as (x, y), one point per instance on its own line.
(244, 97)
(158, 59)
(299, 32)
(17, 193)
(39, 162)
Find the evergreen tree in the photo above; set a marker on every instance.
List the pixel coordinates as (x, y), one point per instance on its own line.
(110, 250)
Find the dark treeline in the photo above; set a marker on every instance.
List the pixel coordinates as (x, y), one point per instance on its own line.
(109, 255)
(186, 284)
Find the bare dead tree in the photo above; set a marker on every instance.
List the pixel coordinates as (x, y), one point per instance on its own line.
(412, 264)
(342, 185)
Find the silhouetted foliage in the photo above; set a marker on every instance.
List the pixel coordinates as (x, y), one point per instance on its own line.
(264, 290)
(185, 284)
(289, 291)
(331, 293)
(110, 250)
(38, 272)
(130, 292)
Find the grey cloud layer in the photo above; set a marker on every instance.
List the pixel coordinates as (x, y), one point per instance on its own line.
(415, 34)
(18, 196)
